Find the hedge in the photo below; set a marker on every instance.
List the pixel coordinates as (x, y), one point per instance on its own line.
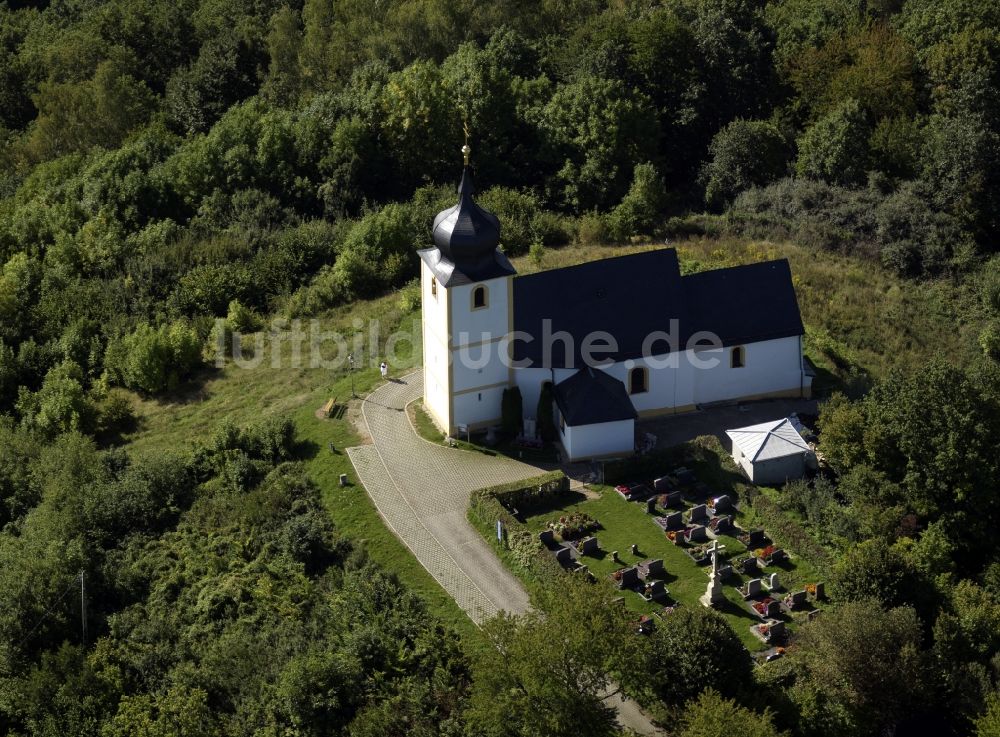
(790, 532)
(523, 549)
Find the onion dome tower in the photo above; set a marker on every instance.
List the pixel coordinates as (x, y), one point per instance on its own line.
(467, 236)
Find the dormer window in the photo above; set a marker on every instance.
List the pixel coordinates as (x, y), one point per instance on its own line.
(480, 297)
(737, 357)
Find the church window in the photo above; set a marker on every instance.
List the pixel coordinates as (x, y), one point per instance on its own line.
(434, 287)
(480, 298)
(737, 357)
(638, 380)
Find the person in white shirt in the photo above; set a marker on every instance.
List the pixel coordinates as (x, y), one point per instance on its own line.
(384, 369)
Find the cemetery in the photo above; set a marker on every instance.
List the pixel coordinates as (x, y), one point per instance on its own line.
(653, 538)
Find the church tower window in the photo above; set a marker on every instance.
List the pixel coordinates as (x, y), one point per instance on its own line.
(480, 297)
(434, 287)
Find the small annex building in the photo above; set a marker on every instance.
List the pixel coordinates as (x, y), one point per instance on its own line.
(596, 416)
(771, 452)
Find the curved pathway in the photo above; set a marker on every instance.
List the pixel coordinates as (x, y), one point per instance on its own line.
(422, 490)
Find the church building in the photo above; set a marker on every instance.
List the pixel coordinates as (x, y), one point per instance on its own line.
(615, 340)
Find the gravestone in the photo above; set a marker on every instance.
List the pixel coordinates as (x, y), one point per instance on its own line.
(629, 578)
(775, 629)
(722, 504)
(773, 583)
(662, 483)
(750, 565)
(778, 556)
(795, 599)
(649, 568)
(753, 587)
(546, 537)
(812, 615)
(697, 534)
(698, 513)
(588, 546)
(820, 591)
(654, 590)
(634, 549)
(564, 556)
(673, 498)
(651, 505)
(755, 539)
(722, 524)
(674, 521)
(773, 608)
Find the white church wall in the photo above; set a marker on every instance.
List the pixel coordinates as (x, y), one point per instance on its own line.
(600, 440)
(478, 409)
(492, 320)
(769, 367)
(435, 345)
(479, 366)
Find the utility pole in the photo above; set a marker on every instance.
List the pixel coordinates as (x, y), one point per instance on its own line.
(83, 608)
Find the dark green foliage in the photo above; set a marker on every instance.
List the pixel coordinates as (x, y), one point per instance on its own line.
(545, 414)
(511, 410)
(744, 154)
(700, 648)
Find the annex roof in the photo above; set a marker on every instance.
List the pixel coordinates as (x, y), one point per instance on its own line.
(591, 396)
(775, 439)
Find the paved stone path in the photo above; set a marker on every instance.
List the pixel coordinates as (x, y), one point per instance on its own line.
(422, 492)
(422, 489)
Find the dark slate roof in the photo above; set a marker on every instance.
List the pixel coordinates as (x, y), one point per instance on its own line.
(744, 304)
(627, 297)
(466, 237)
(450, 275)
(630, 297)
(591, 396)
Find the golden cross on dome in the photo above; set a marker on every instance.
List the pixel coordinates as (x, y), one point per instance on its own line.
(465, 149)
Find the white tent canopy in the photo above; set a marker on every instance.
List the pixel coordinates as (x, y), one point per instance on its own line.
(769, 452)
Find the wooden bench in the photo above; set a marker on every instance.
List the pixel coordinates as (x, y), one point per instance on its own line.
(329, 407)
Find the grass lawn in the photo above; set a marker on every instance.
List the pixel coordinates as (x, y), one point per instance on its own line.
(624, 523)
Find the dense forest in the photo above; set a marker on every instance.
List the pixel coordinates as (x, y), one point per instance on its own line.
(164, 164)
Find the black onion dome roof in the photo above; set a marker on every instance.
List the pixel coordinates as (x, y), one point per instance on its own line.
(466, 234)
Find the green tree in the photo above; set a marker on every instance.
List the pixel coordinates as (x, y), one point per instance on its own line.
(511, 409)
(546, 674)
(834, 149)
(642, 208)
(597, 130)
(154, 359)
(545, 414)
(744, 154)
(284, 76)
(99, 112)
(711, 715)
(61, 404)
(703, 652)
(861, 668)
(988, 725)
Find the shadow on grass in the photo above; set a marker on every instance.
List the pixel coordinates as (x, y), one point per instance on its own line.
(306, 450)
(555, 504)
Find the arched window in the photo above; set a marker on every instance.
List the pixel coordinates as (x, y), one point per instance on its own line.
(480, 297)
(736, 357)
(434, 287)
(638, 380)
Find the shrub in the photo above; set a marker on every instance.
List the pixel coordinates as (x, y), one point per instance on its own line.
(642, 208)
(544, 413)
(154, 359)
(591, 229)
(744, 154)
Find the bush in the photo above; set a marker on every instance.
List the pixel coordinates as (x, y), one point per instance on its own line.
(790, 533)
(545, 414)
(641, 209)
(591, 229)
(154, 359)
